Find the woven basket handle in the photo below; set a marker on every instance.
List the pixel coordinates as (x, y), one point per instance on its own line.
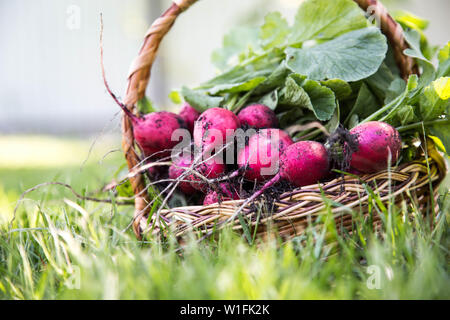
(139, 77)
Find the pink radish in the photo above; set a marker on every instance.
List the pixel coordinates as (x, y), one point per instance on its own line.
(226, 192)
(258, 116)
(153, 131)
(284, 139)
(302, 163)
(263, 152)
(189, 115)
(177, 169)
(376, 140)
(213, 127)
(211, 168)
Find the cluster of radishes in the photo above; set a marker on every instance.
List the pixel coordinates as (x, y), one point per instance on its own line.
(301, 163)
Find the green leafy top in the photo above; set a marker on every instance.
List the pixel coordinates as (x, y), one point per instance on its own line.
(351, 57)
(328, 41)
(330, 65)
(238, 45)
(325, 20)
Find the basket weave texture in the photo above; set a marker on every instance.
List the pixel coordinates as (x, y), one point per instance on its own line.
(295, 209)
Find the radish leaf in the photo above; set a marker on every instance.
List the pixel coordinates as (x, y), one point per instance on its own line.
(309, 94)
(200, 100)
(145, 106)
(324, 19)
(442, 131)
(350, 57)
(342, 90)
(238, 45)
(274, 30)
(270, 99)
(435, 99)
(237, 87)
(444, 61)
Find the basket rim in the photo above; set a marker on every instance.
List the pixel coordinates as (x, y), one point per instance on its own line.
(408, 178)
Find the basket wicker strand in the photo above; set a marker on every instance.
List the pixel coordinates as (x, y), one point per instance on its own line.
(296, 209)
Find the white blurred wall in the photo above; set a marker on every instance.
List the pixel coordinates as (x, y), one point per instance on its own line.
(50, 65)
(50, 80)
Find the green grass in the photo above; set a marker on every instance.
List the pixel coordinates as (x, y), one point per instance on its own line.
(63, 248)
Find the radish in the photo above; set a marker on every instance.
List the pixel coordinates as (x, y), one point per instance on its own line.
(189, 115)
(225, 192)
(302, 163)
(263, 152)
(258, 116)
(211, 168)
(153, 131)
(177, 169)
(376, 140)
(213, 127)
(284, 139)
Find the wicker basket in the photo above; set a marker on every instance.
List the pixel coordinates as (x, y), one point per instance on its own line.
(294, 210)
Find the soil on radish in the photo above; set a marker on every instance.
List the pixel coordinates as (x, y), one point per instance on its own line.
(341, 146)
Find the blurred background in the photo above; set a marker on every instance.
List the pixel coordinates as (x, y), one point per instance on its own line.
(50, 79)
